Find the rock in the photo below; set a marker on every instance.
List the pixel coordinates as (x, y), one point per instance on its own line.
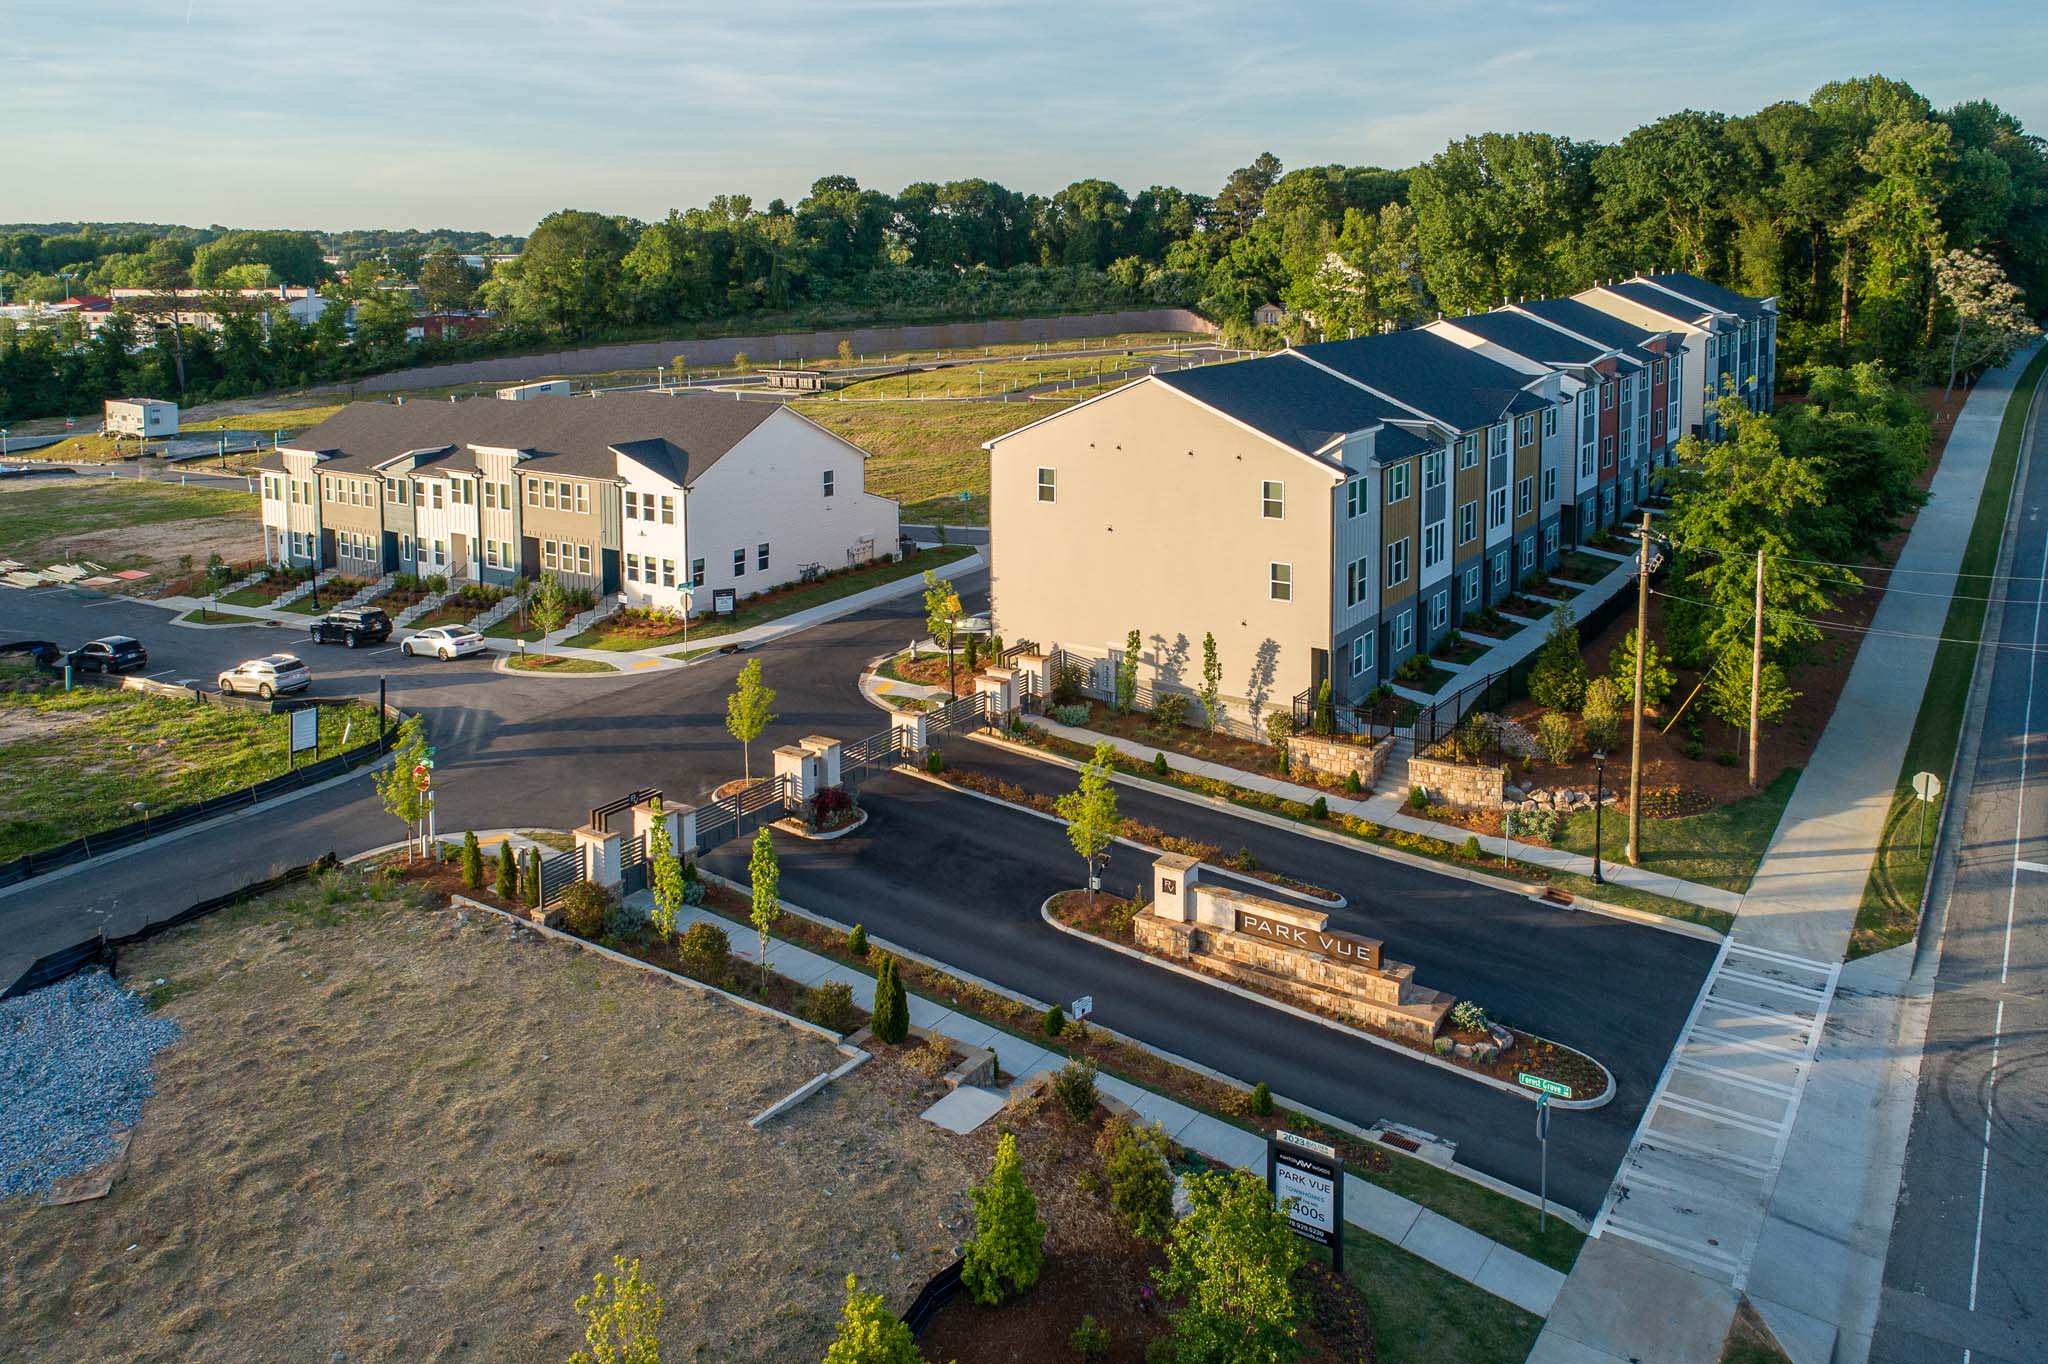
(1463, 1051)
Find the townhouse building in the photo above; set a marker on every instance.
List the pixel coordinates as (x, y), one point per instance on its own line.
(660, 499)
(1730, 340)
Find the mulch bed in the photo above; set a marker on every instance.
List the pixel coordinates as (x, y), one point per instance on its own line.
(1457, 650)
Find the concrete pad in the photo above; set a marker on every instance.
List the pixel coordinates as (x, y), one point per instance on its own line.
(965, 1109)
(1447, 1245)
(1221, 1142)
(1623, 1303)
(1553, 1347)
(1805, 1339)
(1382, 1212)
(1023, 1059)
(924, 1013)
(968, 1031)
(1531, 1286)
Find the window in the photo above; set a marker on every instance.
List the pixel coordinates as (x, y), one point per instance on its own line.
(1657, 422)
(1439, 610)
(1048, 487)
(1468, 522)
(1404, 630)
(1432, 471)
(632, 568)
(1468, 451)
(547, 493)
(1354, 498)
(828, 483)
(1549, 485)
(1397, 562)
(582, 496)
(1272, 500)
(1657, 373)
(1549, 541)
(1525, 428)
(1497, 440)
(1607, 452)
(1526, 554)
(1549, 422)
(1471, 587)
(583, 559)
(491, 559)
(696, 572)
(405, 549)
(505, 495)
(761, 556)
(1525, 496)
(739, 563)
(1280, 582)
(1432, 545)
(1500, 569)
(1606, 395)
(490, 495)
(1397, 483)
(668, 510)
(533, 492)
(631, 502)
(1357, 574)
(437, 490)
(1496, 508)
(668, 572)
(1361, 654)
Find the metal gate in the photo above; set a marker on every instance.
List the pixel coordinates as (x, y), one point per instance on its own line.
(875, 753)
(965, 713)
(737, 815)
(558, 873)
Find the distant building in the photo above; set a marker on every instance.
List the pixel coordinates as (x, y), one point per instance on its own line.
(439, 326)
(1269, 315)
(542, 388)
(141, 417)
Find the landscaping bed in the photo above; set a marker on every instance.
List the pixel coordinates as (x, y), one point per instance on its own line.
(327, 596)
(1455, 648)
(212, 616)
(1419, 674)
(556, 663)
(1193, 741)
(1580, 567)
(1491, 623)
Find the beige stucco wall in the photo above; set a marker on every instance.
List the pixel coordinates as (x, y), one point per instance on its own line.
(1157, 526)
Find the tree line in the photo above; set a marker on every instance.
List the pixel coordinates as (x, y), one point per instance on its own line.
(1844, 206)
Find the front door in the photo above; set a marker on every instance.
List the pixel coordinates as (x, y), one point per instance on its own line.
(458, 555)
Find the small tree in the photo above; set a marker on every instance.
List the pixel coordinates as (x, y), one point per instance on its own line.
(890, 1018)
(622, 1316)
(533, 886)
(1212, 683)
(508, 872)
(970, 649)
(396, 785)
(1657, 676)
(665, 874)
(1141, 1182)
(857, 941)
(1074, 1087)
(941, 609)
(549, 605)
(1233, 1260)
(1559, 741)
(767, 879)
(1991, 312)
(1127, 673)
(1280, 730)
(472, 861)
(748, 711)
(1325, 720)
(1558, 680)
(742, 362)
(845, 350)
(870, 1333)
(1090, 811)
(1008, 1247)
(1728, 690)
(1602, 715)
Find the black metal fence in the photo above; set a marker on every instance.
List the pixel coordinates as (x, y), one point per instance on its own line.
(100, 949)
(874, 751)
(721, 821)
(1008, 657)
(965, 713)
(558, 873)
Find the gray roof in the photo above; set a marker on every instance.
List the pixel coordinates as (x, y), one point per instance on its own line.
(1711, 294)
(1605, 328)
(1296, 404)
(1525, 336)
(677, 435)
(1457, 386)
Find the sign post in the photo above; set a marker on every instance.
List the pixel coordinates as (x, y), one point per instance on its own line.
(1543, 1141)
(1309, 1177)
(305, 733)
(1927, 787)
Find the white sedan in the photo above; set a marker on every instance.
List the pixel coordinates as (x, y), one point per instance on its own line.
(444, 642)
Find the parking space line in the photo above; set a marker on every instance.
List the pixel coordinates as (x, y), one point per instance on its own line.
(1716, 1113)
(392, 649)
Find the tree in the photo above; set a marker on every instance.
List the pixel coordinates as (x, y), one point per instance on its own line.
(1500, 217)
(1232, 1260)
(1558, 679)
(889, 1020)
(1990, 312)
(1728, 690)
(622, 1316)
(1243, 196)
(1212, 683)
(748, 711)
(1008, 1247)
(1140, 1181)
(508, 872)
(941, 609)
(472, 861)
(1602, 715)
(1557, 738)
(870, 1333)
(1090, 811)
(549, 605)
(766, 880)
(1127, 673)
(665, 873)
(396, 785)
(1324, 721)
(446, 284)
(1657, 677)
(533, 877)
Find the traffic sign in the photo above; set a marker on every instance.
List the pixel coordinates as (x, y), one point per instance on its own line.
(1083, 1006)
(1926, 785)
(1538, 1083)
(1543, 1117)
(422, 778)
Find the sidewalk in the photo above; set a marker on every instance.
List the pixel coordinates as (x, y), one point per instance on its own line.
(1802, 1226)
(1453, 1248)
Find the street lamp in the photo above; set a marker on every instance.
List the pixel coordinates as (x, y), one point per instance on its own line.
(1599, 801)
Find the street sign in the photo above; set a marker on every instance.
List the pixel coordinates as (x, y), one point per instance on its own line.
(1926, 785)
(1538, 1083)
(1308, 1180)
(1083, 1006)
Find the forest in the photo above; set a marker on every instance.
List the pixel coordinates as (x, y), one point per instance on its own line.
(1887, 228)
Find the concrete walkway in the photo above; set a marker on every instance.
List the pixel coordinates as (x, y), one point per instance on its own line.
(1452, 1247)
(1809, 1067)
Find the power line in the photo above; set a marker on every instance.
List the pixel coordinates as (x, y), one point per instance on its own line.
(1843, 626)
(1854, 568)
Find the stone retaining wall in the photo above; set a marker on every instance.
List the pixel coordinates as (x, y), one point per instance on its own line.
(1459, 784)
(1339, 759)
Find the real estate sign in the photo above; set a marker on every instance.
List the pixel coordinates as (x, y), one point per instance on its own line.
(1308, 1179)
(1345, 947)
(305, 729)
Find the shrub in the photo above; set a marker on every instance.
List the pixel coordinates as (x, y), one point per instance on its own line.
(508, 872)
(831, 1006)
(935, 1057)
(1602, 715)
(1262, 1099)
(1559, 741)
(1074, 1087)
(1160, 765)
(1536, 823)
(1442, 1046)
(1073, 717)
(693, 891)
(1055, 1021)
(1694, 749)
(1466, 1016)
(584, 907)
(1471, 851)
(1414, 669)
(437, 582)
(704, 951)
(1089, 1340)
(870, 1333)
(1008, 1247)
(890, 1019)
(1242, 860)
(1170, 711)
(472, 862)
(1319, 808)
(1354, 785)
(1418, 799)
(857, 941)
(829, 802)
(934, 762)
(1140, 1182)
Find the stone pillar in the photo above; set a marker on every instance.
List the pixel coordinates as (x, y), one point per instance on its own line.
(686, 829)
(799, 769)
(999, 685)
(600, 850)
(1034, 676)
(644, 820)
(827, 750)
(910, 731)
(1174, 876)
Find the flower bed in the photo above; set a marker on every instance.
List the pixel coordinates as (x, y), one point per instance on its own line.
(1455, 648)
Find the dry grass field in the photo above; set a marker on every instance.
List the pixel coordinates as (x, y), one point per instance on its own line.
(388, 1135)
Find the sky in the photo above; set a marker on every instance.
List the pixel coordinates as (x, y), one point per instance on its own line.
(421, 113)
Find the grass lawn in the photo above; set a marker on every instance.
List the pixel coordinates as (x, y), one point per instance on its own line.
(771, 605)
(925, 455)
(1890, 912)
(1431, 681)
(1001, 376)
(217, 617)
(80, 449)
(555, 663)
(78, 761)
(1425, 1315)
(1718, 847)
(257, 594)
(508, 628)
(290, 420)
(36, 522)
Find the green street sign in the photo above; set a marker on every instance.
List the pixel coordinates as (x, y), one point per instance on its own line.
(1550, 1087)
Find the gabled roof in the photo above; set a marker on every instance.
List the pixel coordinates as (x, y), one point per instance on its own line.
(1439, 378)
(1709, 293)
(684, 433)
(1583, 318)
(1298, 405)
(1520, 334)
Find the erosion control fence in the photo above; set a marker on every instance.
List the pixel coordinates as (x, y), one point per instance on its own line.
(100, 949)
(932, 1297)
(150, 825)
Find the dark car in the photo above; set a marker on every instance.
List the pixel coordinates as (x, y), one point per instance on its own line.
(354, 627)
(114, 654)
(41, 650)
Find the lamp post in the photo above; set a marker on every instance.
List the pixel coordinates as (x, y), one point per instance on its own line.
(1599, 801)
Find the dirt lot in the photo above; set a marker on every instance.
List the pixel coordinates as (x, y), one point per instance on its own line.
(126, 523)
(387, 1135)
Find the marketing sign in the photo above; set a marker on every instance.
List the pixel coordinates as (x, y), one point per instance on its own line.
(305, 729)
(1345, 947)
(1307, 1178)
(724, 601)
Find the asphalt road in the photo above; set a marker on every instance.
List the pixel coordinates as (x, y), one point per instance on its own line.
(1967, 1273)
(941, 871)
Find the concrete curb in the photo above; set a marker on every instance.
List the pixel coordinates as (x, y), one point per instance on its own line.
(795, 829)
(809, 1087)
(502, 663)
(1606, 1096)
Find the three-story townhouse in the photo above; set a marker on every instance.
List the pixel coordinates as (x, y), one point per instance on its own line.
(1728, 340)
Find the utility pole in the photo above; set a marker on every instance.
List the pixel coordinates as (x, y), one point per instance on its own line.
(1756, 667)
(1635, 754)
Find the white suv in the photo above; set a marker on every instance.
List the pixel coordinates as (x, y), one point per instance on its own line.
(267, 677)
(444, 642)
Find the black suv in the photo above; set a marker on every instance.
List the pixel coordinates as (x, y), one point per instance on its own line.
(114, 654)
(355, 628)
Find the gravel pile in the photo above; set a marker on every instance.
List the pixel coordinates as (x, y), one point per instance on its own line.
(74, 1065)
